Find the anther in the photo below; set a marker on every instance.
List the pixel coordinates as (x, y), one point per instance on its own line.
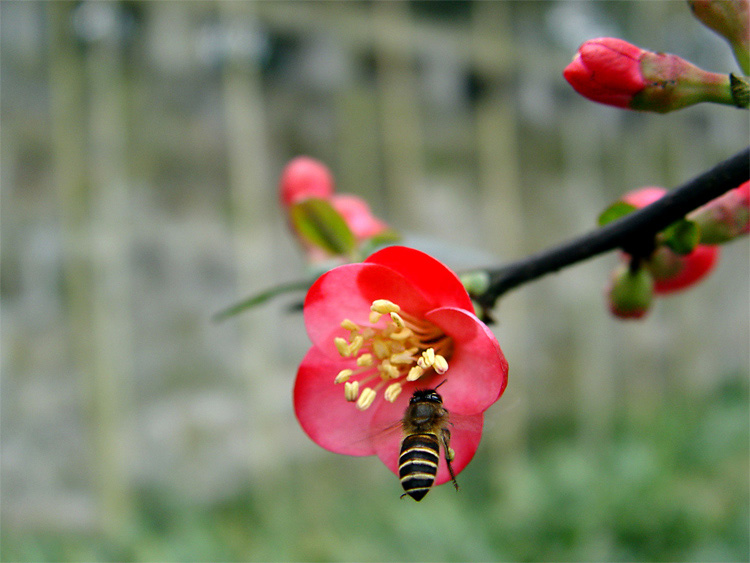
(342, 346)
(397, 320)
(451, 454)
(402, 334)
(351, 390)
(427, 359)
(384, 306)
(374, 317)
(356, 344)
(365, 360)
(349, 325)
(441, 364)
(414, 373)
(343, 375)
(388, 370)
(404, 357)
(392, 391)
(366, 398)
(381, 349)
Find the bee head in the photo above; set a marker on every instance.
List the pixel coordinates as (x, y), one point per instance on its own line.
(426, 395)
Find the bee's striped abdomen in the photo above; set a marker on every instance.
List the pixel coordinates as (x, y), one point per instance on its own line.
(418, 463)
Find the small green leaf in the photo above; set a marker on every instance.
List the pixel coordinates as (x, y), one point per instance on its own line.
(615, 211)
(260, 298)
(316, 221)
(681, 236)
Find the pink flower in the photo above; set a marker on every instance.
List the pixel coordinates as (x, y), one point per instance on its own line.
(614, 72)
(305, 177)
(380, 329)
(671, 271)
(356, 212)
(327, 225)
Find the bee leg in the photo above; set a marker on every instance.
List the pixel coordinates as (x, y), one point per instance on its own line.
(445, 437)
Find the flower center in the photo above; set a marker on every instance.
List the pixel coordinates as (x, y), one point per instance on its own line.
(405, 349)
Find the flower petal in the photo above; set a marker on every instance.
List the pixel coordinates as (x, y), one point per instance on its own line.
(478, 371)
(347, 292)
(466, 432)
(440, 286)
(324, 414)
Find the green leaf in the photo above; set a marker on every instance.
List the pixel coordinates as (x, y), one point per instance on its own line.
(317, 222)
(615, 211)
(262, 297)
(681, 236)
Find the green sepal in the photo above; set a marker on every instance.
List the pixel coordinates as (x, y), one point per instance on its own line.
(615, 211)
(317, 222)
(681, 236)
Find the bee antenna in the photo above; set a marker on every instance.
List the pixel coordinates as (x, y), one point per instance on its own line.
(439, 384)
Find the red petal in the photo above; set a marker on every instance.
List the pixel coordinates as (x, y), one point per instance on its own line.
(477, 371)
(695, 266)
(466, 433)
(439, 285)
(347, 292)
(331, 422)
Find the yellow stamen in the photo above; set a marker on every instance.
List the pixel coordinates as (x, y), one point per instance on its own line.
(451, 454)
(365, 360)
(397, 320)
(342, 346)
(349, 325)
(366, 398)
(374, 317)
(392, 391)
(356, 344)
(343, 375)
(402, 334)
(389, 370)
(427, 359)
(414, 373)
(404, 357)
(351, 390)
(380, 348)
(441, 364)
(383, 306)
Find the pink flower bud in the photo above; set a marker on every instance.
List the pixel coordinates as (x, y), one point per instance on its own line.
(607, 70)
(629, 293)
(356, 212)
(305, 177)
(731, 20)
(726, 217)
(671, 271)
(614, 72)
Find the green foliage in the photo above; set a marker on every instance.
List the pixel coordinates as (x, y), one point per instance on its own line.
(670, 484)
(615, 211)
(321, 225)
(682, 236)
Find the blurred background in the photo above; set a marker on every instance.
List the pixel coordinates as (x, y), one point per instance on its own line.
(142, 144)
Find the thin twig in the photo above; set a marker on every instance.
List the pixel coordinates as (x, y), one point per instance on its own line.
(640, 224)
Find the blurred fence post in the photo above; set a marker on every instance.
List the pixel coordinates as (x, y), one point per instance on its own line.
(252, 195)
(95, 217)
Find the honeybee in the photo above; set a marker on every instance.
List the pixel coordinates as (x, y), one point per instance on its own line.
(426, 428)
